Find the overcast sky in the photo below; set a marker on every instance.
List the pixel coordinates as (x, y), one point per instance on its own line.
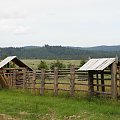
(59, 22)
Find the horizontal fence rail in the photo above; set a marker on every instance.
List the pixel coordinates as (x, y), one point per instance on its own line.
(71, 80)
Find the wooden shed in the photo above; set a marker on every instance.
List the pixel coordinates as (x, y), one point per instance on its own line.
(13, 72)
(103, 76)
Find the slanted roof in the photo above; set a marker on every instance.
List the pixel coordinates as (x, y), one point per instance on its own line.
(97, 64)
(15, 60)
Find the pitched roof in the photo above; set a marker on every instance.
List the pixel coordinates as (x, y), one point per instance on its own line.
(97, 64)
(15, 60)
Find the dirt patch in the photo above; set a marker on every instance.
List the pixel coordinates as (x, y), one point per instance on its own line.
(7, 117)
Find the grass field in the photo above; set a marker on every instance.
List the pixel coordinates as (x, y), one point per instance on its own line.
(33, 63)
(22, 105)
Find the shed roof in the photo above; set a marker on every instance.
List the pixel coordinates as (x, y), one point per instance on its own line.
(97, 64)
(15, 60)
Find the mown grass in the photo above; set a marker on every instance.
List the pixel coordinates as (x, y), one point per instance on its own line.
(25, 106)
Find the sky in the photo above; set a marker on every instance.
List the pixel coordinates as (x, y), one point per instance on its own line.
(80, 23)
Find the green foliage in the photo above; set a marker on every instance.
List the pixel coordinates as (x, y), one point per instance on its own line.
(69, 65)
(55, 52)
(57, 64)
(82, 62)
(42, 64)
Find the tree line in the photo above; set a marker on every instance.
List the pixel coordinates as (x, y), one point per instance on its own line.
(54, 52)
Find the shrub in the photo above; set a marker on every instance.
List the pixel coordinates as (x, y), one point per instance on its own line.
(57, 64)
(42, 64)
(82, 62)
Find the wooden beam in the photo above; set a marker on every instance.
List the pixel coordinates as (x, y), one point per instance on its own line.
(42, 85)
(55, 81)
(90, 83)
(114, 80)
(72, 80)
(102, 81)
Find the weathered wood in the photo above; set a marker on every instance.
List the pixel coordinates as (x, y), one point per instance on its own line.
(114, 80)
(24, 78)
(102, 81)
(33, 82)
(72, 80)
(42, 85)
(55, 81)
(90, 83)
(102, 85)
(119, 81)
(97, 81)
(99, 92)
(14, 78)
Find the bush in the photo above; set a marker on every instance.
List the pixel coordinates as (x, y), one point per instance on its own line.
(42, 64)
(57, 64)
(82, 62)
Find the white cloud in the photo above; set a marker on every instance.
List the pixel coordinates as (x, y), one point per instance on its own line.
(46, 21)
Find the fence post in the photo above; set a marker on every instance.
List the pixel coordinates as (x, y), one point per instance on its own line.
(42, 85)
(55, 81)
(24, 78)
(72, 80)
(14, 78)
(114, 80)
(97, 77)
(102, 81)
(119, 80)
(33, 81)
(90, 83)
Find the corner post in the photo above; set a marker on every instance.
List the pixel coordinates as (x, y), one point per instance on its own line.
(114, 80)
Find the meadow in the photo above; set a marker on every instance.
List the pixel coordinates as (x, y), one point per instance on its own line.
(18, 104)
(33, 63)
(22, 105)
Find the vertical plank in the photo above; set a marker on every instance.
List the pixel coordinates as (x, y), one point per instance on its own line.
(119, 81)
(42, 85)
(114, 80)
(24, 78)
(72, 80)
(55, 81)
(90, 83)
(14, 78)
(97, 78)
(33, 82)
(102, 81)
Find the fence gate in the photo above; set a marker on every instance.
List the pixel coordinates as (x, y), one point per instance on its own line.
(13, 77)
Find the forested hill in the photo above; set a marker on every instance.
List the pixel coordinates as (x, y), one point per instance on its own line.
(56, 52)
(104, 48)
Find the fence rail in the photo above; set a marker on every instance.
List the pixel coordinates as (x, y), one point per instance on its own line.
(70, 80)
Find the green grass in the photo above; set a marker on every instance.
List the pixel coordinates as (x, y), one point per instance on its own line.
(25, 106)
(33, 63)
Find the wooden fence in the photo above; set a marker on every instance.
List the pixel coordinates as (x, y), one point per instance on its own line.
(70, 80)
(74, 81)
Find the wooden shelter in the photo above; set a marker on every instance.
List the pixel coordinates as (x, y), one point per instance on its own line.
(103, 76)
(13, 75)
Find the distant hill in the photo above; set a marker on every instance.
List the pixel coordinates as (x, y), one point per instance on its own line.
(103, 48)
(60, 52)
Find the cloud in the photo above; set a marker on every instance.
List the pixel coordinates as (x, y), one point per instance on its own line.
(20, 30)
(96, 21)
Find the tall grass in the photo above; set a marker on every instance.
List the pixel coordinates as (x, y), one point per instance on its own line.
(24, 105)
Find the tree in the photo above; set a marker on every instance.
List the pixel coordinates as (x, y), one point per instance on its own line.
(82, 62)
(42, 64)
(57, 64)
